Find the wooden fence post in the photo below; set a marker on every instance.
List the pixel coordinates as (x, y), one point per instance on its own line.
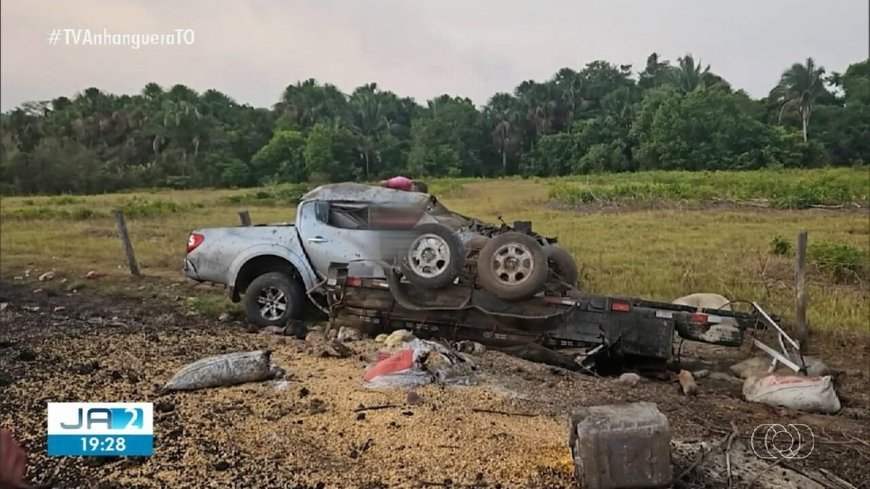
(245, 217)
(125, 240)
(802, 328)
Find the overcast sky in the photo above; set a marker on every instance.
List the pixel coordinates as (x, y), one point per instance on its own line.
(421, 48)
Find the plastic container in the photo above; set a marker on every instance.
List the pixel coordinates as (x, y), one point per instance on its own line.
(621, 446)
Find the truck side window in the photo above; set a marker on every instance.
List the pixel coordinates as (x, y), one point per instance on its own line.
(321, 211)
(348, 216)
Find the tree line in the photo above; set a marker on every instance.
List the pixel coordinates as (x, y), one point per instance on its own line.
(601, 118)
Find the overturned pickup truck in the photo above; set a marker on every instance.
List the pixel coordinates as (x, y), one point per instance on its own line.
(378, 259)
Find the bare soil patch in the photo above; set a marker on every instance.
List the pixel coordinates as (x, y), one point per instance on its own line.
(308, 431)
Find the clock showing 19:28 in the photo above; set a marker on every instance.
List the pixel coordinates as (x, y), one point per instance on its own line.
(109, 445)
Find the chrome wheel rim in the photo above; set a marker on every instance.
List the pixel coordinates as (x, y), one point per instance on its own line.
(273, 303)
(513, 263)
(429, 255)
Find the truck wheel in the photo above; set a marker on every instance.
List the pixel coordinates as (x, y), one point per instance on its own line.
(272, 299)
(562, 264)
(435, 257)
(513, 266)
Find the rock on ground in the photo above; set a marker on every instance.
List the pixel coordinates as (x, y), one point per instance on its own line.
(398, 337)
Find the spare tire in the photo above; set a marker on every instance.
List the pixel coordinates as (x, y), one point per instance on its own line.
(562, 265)
(434, 258)
(513, 266)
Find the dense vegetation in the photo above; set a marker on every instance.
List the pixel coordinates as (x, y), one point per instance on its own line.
(601, 118)
(778, 189)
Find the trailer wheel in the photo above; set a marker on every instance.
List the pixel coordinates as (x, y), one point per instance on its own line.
(272, 299)
(434, 258)
(562, 265)
(513, 266)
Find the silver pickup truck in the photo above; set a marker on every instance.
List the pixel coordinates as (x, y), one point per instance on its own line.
(277, 270)
(377, 259)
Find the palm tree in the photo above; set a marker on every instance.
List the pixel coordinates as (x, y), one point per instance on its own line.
(540, 105)
(502, 113)
(690, 76)
(368, 110)
(570, 84)
(618, 107)
(307, 103)
(797, 90)
(657, 72)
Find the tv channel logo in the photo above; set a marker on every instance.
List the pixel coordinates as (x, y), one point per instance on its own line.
(100, 429)
(777, 441)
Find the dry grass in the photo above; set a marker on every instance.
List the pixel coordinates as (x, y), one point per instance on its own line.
(656, 254)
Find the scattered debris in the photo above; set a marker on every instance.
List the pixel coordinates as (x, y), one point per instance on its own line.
(164, 407)
(31, 308)
(316, 406)
(224, 317)
(725, 377)
(381, 337)
(398, 337)
(59, 309)
(18, 277)
(534, 352)
(3, 306)
(87, 368)
(471, 347)
(346, 333)
(816, 367)
(93, 274)
(45, 277)
(26, 356)
(315, 335)
(597, 439)
(814, 394)
(760, 366)
(687, 383)
(37, 291)
(335, 349)
(224, 370)
(379, 407)
(751, 367)
(296, 328)
(414, 399)
(421, 362)
(629, 379)
(506, 413)
(279, 330)
(700, 374)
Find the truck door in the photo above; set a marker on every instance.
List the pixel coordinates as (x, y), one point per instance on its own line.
(339, 232)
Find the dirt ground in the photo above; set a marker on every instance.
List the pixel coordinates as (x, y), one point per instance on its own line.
(307, 431)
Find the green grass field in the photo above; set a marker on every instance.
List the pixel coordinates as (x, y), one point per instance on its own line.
(624, 246)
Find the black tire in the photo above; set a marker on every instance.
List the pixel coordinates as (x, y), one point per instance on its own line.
(513, 266)
(562, 265)
(267, 293)
(434, 257)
